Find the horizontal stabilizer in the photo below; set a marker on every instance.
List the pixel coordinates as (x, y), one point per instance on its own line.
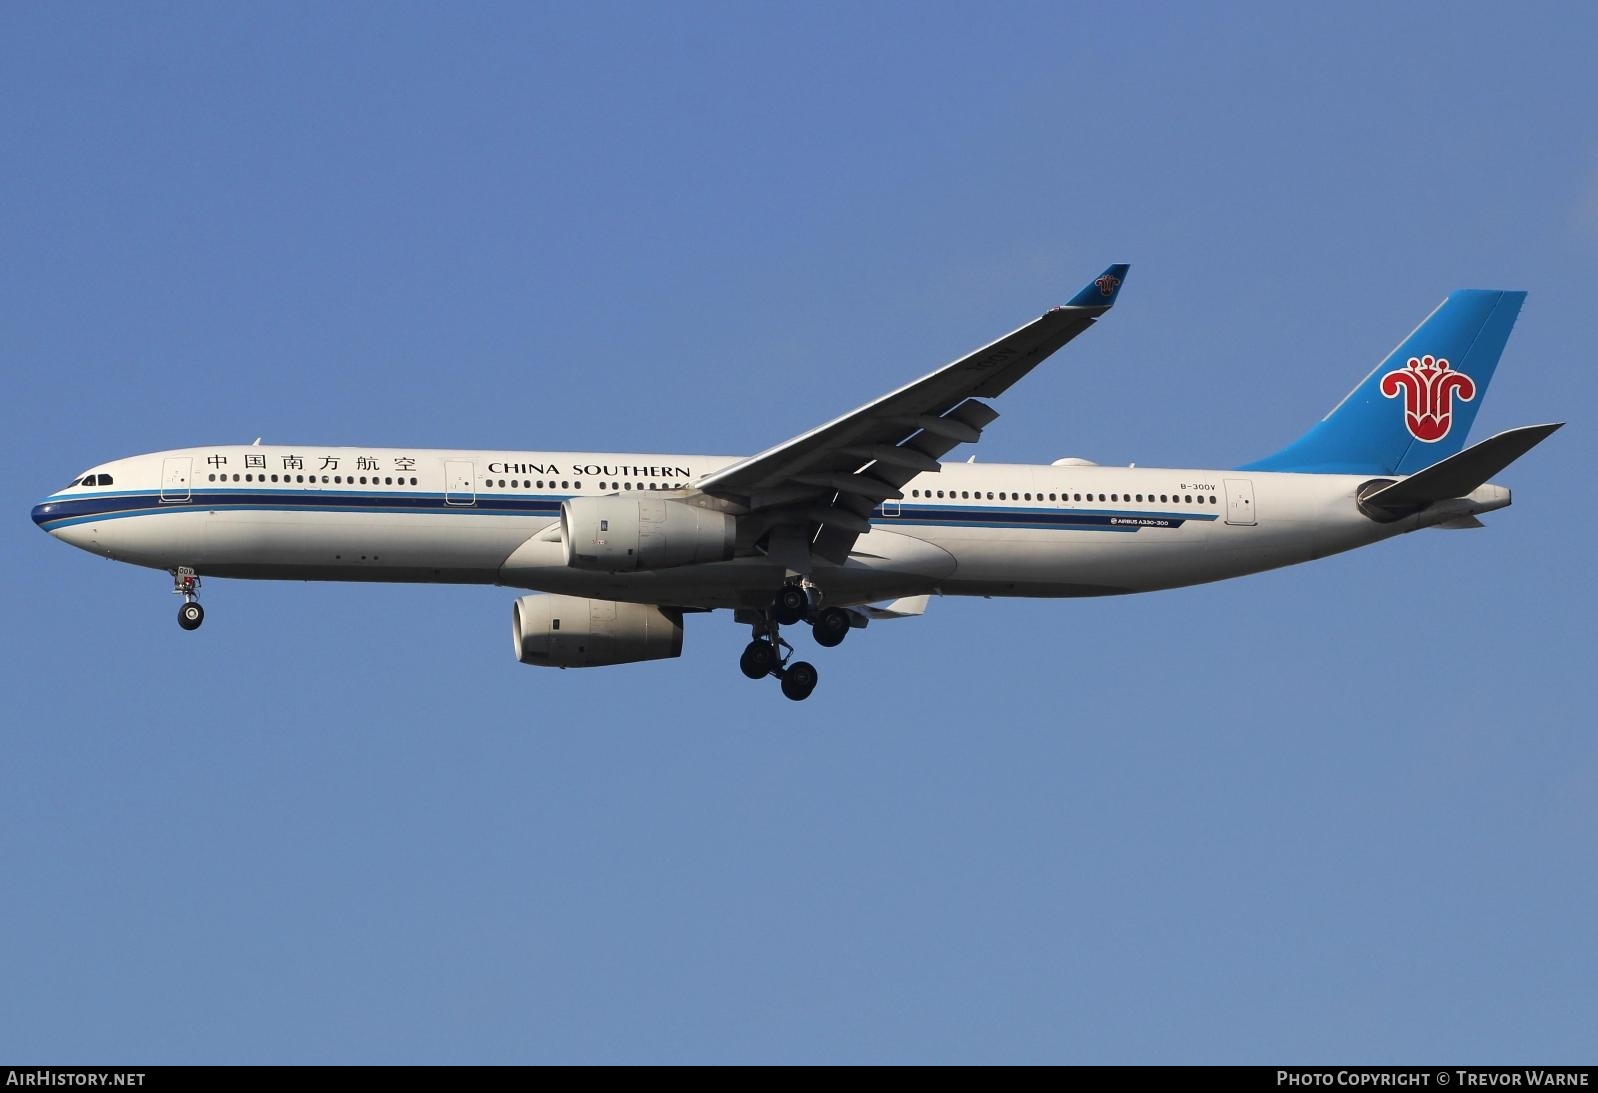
(1461, 473)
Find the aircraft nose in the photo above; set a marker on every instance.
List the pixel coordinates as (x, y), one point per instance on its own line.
(50, 516)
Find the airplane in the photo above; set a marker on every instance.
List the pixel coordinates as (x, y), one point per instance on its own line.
(855, 521)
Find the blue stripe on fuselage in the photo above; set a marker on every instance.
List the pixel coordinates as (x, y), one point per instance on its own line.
(64, 512)
(60, 512)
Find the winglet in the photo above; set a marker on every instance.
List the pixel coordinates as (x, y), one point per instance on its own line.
(1102, 290)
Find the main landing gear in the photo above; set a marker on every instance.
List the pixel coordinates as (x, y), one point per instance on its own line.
(186, 584)
(769, 655)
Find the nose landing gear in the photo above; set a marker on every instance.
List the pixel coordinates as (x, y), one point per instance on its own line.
(186, 584)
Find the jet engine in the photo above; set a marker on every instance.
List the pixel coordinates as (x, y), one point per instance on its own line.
(575, 632)
(621, 534)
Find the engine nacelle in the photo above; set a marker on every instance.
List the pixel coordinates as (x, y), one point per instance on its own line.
(621, 534)
(574, 632)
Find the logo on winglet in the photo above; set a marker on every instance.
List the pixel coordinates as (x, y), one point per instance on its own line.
(1107, 284)
(1428, 385)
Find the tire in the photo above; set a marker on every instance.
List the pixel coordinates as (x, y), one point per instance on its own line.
(758, 660)
(831, 627)
(791, 605)
(190, 615)
(799, 680)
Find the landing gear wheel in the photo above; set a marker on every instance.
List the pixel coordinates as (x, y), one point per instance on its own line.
(791, 605)
(759, 658)
(190, 615)
(831, 627)
(798, 680)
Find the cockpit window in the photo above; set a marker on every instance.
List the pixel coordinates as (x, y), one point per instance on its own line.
(88, 480)
(102, 480)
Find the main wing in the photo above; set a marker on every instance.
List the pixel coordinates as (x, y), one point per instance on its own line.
(814, 494)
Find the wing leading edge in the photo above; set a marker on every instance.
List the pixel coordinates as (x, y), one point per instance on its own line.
(817, 491)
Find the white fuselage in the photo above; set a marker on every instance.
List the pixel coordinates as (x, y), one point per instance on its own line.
(492, 517)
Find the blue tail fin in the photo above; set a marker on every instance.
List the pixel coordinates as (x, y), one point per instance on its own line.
(1418, 405)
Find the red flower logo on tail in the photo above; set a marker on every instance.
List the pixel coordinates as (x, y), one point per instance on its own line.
(1428, 385)
(1107, 284)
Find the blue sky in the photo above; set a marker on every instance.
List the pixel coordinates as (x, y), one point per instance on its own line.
(1342, 812)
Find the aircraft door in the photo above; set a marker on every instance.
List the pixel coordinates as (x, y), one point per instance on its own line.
(1240, 501)
(460, 478)
(175, 478)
